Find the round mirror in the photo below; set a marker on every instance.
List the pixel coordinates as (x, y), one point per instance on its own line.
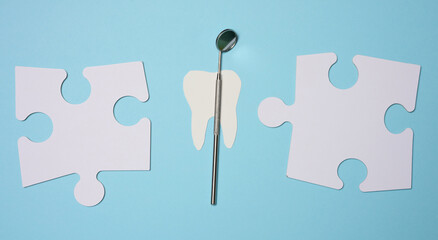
(226, 40)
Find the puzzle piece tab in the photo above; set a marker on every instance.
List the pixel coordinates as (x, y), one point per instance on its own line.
(331, 125)
(86, 138)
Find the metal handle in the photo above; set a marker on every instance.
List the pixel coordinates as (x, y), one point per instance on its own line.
(214, 174)
(217, 120)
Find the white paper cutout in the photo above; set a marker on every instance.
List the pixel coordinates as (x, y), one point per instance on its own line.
(199, 90)
(86, 138)
(331, 125)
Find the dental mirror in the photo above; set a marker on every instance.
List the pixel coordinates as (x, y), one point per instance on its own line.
(225, 41)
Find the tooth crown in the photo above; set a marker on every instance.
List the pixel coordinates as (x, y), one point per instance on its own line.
(199, 90)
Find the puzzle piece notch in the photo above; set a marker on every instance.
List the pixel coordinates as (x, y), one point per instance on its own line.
(199, 90)
(331, 125)
(86, 138)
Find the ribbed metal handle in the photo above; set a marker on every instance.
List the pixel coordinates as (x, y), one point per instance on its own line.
(217, 127)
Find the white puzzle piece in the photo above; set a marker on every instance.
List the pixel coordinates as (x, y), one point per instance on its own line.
(86, 138)
(331, 125)
(199, 90)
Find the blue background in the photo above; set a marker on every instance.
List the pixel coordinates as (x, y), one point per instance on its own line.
(255, 198)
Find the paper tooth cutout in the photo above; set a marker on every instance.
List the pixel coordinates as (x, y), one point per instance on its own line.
(331, 125)
(199, 90)
(86, 138)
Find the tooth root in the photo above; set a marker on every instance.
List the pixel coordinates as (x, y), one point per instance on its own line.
(199, 90)
(230, 94)
(199, 125)
(229, 127)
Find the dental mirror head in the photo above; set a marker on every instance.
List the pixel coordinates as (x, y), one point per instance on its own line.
(226, 40)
